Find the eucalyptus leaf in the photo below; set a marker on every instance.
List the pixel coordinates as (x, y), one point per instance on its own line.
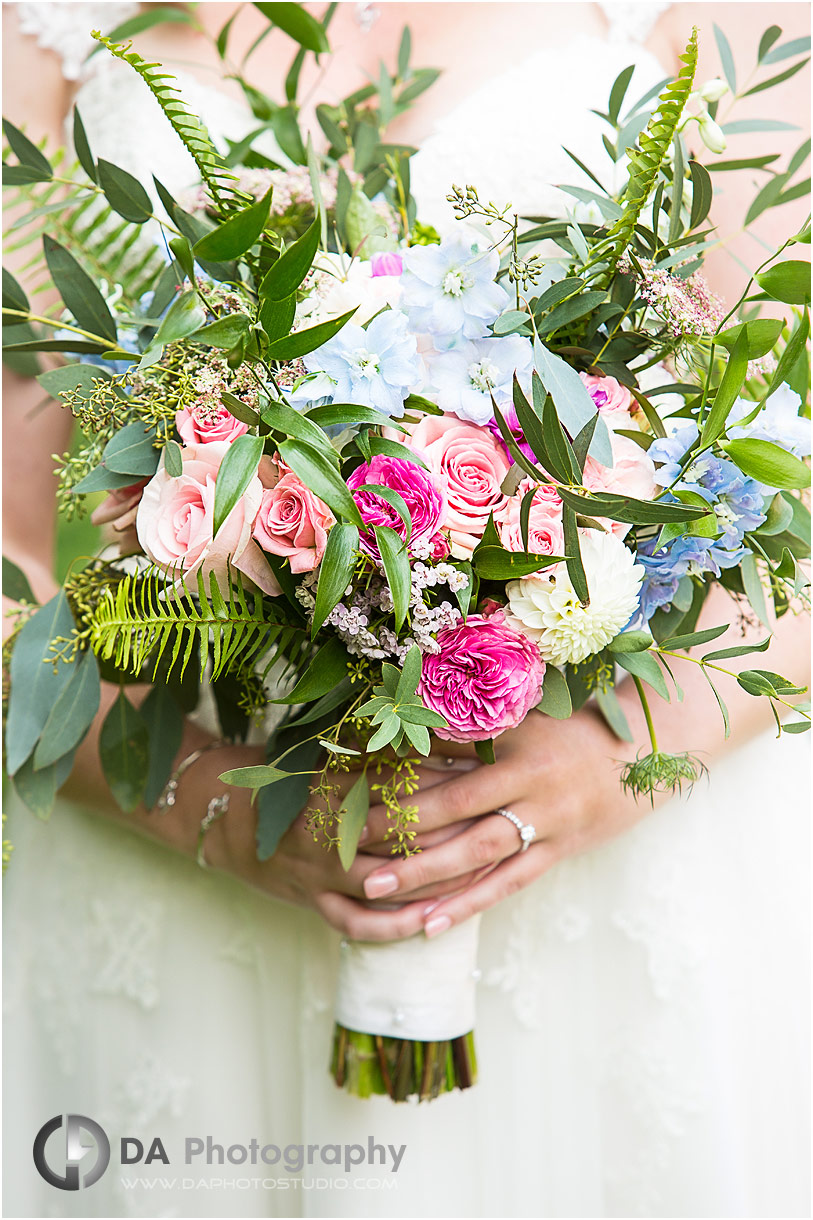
(124, 753)
(352, 816)
(81, 296)
(35, 683)
(556, 701)
(165, 726)
(124, 193)
(327, 668)
(15, 584)
(72, 714)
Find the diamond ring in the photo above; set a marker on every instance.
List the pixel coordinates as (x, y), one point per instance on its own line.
(527, 833)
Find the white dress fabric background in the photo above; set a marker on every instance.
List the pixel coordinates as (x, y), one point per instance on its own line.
(643, 1016)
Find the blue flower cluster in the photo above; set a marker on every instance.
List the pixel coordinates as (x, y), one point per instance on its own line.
(738, 506)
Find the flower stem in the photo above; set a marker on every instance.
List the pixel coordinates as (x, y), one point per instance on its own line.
(647, 713)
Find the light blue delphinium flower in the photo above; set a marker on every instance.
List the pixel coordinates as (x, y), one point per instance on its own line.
(686, 556)
(465, 377)
(779, 422)
(449, 291)
(373, 368)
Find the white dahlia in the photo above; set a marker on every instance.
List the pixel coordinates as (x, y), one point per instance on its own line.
(545, 606)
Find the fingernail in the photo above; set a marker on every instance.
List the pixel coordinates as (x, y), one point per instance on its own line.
(428, 910)
(434, 927)
(380, 884)
(365, 834)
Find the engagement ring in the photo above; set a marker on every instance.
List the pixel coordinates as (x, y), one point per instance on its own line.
(527, 833)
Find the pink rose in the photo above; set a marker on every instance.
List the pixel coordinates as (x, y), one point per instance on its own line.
(632, 474)
(613, 400)
(545, 532)
(485, 679)
(471, 465)
(175, 523)
(415, 486)
(207, 425)
(292, 521)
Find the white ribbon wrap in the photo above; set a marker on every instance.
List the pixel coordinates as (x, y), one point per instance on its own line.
(422, 989)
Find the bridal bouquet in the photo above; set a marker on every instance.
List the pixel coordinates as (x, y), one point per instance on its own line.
(408, 490)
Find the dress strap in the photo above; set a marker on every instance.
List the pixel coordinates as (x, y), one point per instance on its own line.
(65, 28)
(633, 21)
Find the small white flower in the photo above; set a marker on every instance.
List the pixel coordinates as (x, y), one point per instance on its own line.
(547, 610)
(711, 135)
(713, 89)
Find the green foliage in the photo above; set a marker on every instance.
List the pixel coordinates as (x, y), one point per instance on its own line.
(189, 129)
(147, 618)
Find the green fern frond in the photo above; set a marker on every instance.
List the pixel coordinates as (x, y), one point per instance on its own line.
(144, 618)
(187, 126)
(646, 160)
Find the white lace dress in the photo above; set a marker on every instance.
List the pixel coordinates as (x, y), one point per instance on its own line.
(642, 1016)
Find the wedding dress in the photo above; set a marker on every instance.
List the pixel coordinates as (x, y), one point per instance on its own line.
(642, 1010)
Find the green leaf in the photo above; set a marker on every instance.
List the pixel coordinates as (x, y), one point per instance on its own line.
(573, 404)
(416, 713)
(727, 391)
(762, 335)
(753, 588)
(367, 234)
(410, 674)
(788, 282)
(610, 708)
(238, 468)
(72, 714)
(776, 80)
(165, 725)
(768, 463)
(796, 46)
(726, 58)
(644, 666)
(101, 479)
(629, 510)
(556, 701)
(173, 459)
(184, 316)
(82, 147)
(618, 92)
(15, 584)
(27, 153)
(796, 345)
(277, 317)
(35, 683)
(253, 777)
(720, 703)
(317, 472)
(631, 641)
(396, 568)
(13, 295)
(131, 451)
(485, 751)
(124, 753)
(335, 571)
(352, 816)
(326, 670)
(124, 193)
(279, 805)
(156, 14)
(695, 638)
(755, 684)
(304, 341)
(702, 193)
(767, 40)
(495, 563)
(288, 272)
(575, 566)
(225, 333)
(298, 24)
(283, 418)
(237, 234)
(737, 650)
(22, 175)
(81, 296)
(345, 414)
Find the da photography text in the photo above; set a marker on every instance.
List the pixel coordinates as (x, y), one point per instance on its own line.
(73, 1151)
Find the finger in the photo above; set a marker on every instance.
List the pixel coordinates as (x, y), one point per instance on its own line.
(360, 922)
(487, 842)
(465, 796)
(506, 879)
(457, 750)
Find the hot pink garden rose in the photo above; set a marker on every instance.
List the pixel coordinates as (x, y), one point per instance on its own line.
(206, 425)
(418, 490)
(545, 532)
(485, 679)
(292, 521)
(471, 466)
(176, 517)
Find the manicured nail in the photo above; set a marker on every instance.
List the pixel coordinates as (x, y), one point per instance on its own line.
(365, 834)
(428, 910)
(380, 884)
(434, 927)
